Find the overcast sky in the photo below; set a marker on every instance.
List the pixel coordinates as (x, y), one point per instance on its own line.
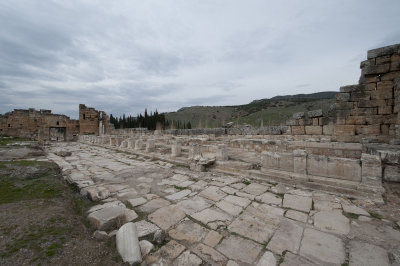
(124, 56)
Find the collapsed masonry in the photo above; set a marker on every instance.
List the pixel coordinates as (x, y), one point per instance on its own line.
(44, 126)
(350, 150)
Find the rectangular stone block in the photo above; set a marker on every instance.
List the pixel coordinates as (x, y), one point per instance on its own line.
(371, 169)
(364, 111)
(390, 75)
(391, 173)
(350, 88)
(380, 94)
(315, 121)
(313, 130)
(385, 110)
(343, 168)
(315, 113)
(355, 120)
(368, 79)
(344, 130)
(384, 85)
(382, 51)
(305, 121)
(300, 162)
(371, 103)
(385, 129)
(375, 69)
(317, 165)
(395, 65)
(270, 160)
(298, 130)
(368, 129)
(327, 130)
(344, 105)
(382, 60)
(360, 95)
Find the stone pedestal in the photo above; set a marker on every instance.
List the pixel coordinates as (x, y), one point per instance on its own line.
(138, 145)
(150, 145)
(176, 149)
(222, 152)
(300, 162)
(371, 169)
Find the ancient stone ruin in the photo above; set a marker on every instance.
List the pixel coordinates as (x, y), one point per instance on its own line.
(308, 193)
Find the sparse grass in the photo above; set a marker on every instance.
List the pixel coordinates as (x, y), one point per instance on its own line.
(376, 215)
(45, 239)
(345, 264)
(246, 182)
(179, 188)
(351, 215)
(4, 141)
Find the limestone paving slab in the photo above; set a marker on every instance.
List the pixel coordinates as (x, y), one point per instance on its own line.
(255, 189)
(239, 249)
(267, 259)
(179, 195)
(364, 254)
(211, 215)
(166, 217)
(212, 193)
(145, 228)
(270, 198)
(153, 205)
(296, 215)
(322, 247)
(188, 259)
(333, 222)
(209, 254)
(194, 205)
(293, 259)
(286, 237)
(297, 202)
(229, 208)
(239, 201)
(351, 208)
(188, 232)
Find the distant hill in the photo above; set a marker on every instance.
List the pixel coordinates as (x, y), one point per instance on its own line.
(273, 111)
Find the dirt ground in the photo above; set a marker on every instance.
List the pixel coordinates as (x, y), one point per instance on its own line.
(42, 219)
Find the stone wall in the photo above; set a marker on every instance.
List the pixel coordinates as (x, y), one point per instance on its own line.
(92, 121)
(369, 109)
(40, 125)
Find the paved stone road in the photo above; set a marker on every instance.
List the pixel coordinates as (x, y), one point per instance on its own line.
(217, 219)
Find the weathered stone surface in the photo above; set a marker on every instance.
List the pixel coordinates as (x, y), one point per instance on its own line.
(145, 228)
(159, 237)
(188, 259)
(179, 195)
(145, 247)
(137, 202)
(212, 238)
(107, 218)
(296, 202)
(325, 205)
(167, 217)
(97, 193)
(239, 201)
(239, 249)
(322, 247)
(193, 205)
(351, 208)
(211, 215)
(270, 198)
(153, 205)
(130, 215)
(188, 232)
(209, 254)
(228, 207)
(212, 193)
(267, 259)
(331, 221)
(128, 244)
(171, 250)
(365, 254)
(255, 189)
(100, 235)
(287, 237)
(292, 259)
(296, 215)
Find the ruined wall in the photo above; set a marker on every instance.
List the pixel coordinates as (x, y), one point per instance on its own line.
(92, 121)
(369, 109)
(37, 124)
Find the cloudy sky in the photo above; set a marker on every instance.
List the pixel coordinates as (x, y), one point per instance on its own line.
(124, 56)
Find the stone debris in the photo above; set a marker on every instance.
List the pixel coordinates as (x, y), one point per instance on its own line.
(100, 235)
(145, 247)
(128, 244)
(267, 259)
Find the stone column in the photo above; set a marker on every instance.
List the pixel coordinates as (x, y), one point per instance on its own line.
(176, 149)
(300, 162)
(222, 152)
(371, 169)
(138, 144)
(194, 151)
(150, 145)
